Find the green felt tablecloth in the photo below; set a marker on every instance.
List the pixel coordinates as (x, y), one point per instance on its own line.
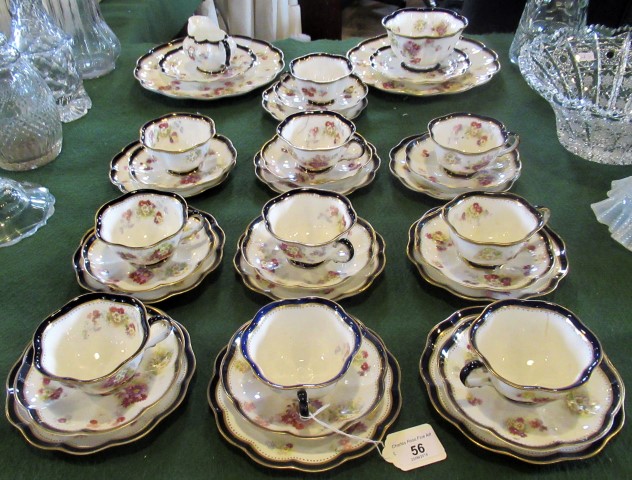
(37, 276)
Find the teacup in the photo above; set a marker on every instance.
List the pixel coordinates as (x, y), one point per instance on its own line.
(310, 226)
(423, 38)
(96, 341)
(318, 140)
(320, 76)
(301, 347)
(489, 229)
(466, 143)
(530, 351)
(179, 142)
(145, 227)
(209, 47)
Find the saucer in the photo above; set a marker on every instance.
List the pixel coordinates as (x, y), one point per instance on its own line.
(144, 175)
(280, 451)
(89, 425)
(177, 64)
(149, 73)
(278, 161)
(436, 250)
(361, 178)
(350, 286)
(385, 62)
(279, 111)
(484, 65)
(574, 429)
(362, 388)
(546, 282)
(433, 180)
(262, 251)
(106, 267)
(289, 94)
(150, 292)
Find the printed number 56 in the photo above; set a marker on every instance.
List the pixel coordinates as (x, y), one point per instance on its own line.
(417, 449)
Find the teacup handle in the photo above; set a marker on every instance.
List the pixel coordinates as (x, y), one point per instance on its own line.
(464, 376)
(194, 224)
(545, 212)
(344, 254)
(513, 139)
(159, 328)
(303, 404)
(355, 140)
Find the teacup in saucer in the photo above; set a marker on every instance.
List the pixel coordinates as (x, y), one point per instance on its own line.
(278, 161)
(177, 64)
(109, 269)
(320, 77)
(356, 395)
(385, 62)
(289, 93)
(263, 252)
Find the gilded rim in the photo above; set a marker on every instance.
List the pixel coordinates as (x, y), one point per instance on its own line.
(451, 13)
(320, 54)
(343, 457)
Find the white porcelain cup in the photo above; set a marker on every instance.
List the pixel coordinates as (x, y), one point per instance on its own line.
(209, 47)
(145, 227)
(96, 341)
(321, 77)
(179, 142)
(466, 143)
(311, 226)
(530, 351)
(301, 347)
(318, 140)
(489, 229)
(422, 38)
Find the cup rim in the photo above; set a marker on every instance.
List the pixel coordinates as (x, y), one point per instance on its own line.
(503, 130)
(590, 337)
(338, 310)
(197, 116)
(445, 209)
(38, 347)
(303, 58)
(315, 113)
(133, 193)
(310, 191)
(452, 13)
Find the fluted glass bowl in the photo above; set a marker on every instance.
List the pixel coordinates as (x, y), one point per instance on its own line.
(587, 79)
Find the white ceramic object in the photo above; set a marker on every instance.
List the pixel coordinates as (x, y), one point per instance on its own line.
(319, 139)
(320, 77)
(301, 347)
(134, 169)
(572, 429)
(209, 47)
(161, 283)
(357, 393)
(96, 342)
(177, 64)
(422, 38)
(149, 72)
(489, 229)
(530, 351)
(483, 67)
(466, 143)
(311, 226)
(145, 227)
(179, 141)
(353, 91)
(430, 178)
(389, 65)
(425, 248)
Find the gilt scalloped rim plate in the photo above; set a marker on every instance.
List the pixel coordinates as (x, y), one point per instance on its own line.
(484, 65)
(158, 293)
(149, 73)
(94, 442)
(437, 391)
(278, 451)
(546, 283)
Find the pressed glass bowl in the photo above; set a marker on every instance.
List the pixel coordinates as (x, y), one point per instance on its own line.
(587, 79)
